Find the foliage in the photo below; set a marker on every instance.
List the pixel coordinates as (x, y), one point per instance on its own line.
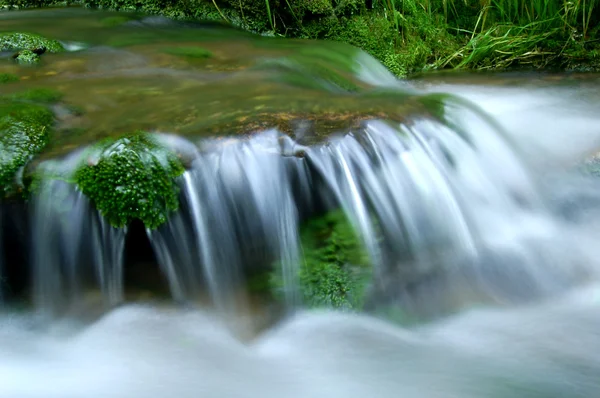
(131, 178)
(335, 270)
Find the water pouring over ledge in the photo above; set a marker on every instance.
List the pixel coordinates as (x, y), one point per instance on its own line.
(447, 211)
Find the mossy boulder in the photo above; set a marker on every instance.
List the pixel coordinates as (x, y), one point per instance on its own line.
(131, 178)
(24, 132)
(28, 41)
(335, 271)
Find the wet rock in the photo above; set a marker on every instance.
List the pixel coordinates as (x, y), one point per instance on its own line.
(24, 132)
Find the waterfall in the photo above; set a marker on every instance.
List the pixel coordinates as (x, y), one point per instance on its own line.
(237, 199)
(434, 201)
(73, 247)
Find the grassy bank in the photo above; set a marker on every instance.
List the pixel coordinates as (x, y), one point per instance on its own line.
(412, 35)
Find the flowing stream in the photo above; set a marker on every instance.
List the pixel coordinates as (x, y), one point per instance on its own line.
(465, 191)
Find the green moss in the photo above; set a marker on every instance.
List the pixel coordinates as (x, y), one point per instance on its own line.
(28, 41)
(336, 270)
(373, 34)
(191, 52)
(27, 57)
(131, 178)
(8, 78)
(24, 132)
(40, 95)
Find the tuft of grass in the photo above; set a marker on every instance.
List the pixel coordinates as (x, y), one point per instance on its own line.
(500, 47)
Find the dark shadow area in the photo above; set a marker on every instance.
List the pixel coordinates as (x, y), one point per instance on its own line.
(142, 271)
(16, 272)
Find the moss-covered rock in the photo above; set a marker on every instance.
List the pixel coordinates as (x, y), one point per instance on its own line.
(24, 131)
(27, 57)
(131, 178)
(28, 41)
(335, 271)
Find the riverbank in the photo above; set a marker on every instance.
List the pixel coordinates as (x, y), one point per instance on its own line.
(408, 36)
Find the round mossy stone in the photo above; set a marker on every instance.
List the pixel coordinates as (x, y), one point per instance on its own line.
(131, 178)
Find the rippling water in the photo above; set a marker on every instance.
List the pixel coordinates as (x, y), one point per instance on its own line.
(544, 350)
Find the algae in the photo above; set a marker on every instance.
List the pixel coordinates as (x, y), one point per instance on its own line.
(39, 95)
(130, 178)
(8, 78)
(190, 52)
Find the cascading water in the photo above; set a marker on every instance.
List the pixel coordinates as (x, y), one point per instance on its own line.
(73, 246)
(239, 203)
(430, 199)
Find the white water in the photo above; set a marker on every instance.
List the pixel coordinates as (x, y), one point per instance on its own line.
(547, 350)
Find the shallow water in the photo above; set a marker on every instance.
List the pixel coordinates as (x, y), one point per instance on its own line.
(488, 227)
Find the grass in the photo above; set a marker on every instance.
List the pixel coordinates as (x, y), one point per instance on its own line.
(502, 34)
